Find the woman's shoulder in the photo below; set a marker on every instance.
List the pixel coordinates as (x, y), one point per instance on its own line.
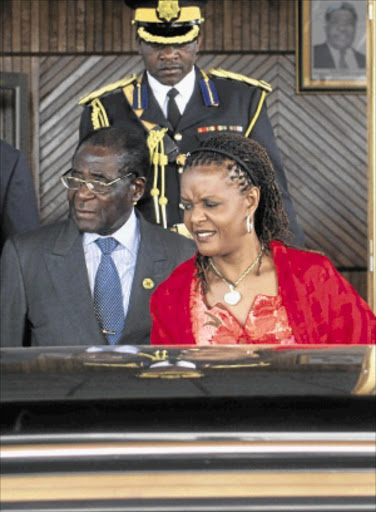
(297, 252)
(300, 258)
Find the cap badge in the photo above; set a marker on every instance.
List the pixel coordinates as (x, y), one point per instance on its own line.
(148, 283)
(168, 10)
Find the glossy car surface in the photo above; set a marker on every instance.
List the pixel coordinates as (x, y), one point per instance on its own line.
(195, 429)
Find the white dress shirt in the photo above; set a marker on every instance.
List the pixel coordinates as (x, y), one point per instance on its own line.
(349, 58)
(124, 256)
(184, 87)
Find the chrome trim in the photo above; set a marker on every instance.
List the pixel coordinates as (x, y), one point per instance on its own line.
(323, 507)
(166, 450)
(190, 436)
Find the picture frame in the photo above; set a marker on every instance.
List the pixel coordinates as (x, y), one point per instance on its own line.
(14, 108)
(319, 64)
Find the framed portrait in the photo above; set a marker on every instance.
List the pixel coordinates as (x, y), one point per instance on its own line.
(331, 46)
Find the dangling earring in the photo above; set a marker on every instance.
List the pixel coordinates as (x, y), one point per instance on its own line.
(249, 224)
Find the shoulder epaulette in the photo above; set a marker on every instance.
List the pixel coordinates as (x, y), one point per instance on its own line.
(107, 88)
(221, 73)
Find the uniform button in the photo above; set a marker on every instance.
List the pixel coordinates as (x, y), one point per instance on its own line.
(178, 136)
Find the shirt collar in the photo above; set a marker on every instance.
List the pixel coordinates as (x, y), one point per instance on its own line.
(184, 87)
(127, 235)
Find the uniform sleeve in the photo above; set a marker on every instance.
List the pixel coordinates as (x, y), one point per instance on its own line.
(13, 306)
(262, 133)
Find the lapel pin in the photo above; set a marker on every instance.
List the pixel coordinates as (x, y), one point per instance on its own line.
(148, 283)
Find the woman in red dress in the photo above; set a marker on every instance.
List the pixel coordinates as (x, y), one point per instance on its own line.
(245, 284)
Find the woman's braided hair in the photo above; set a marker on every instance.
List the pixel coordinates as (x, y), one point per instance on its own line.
(271, 222)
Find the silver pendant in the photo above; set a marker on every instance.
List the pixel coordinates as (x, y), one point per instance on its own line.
(232, 297)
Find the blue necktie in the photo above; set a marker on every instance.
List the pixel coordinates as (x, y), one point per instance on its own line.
(108, 300)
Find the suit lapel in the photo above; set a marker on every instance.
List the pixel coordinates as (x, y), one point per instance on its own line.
(67, 269)
(329, 61)
(152, 264)
(153, 113)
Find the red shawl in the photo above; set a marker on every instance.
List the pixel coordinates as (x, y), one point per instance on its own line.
(322, 307)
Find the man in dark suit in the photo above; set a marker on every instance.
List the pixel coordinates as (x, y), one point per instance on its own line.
(337, 51)
(18, 204)
(201, 104)
(60, 285)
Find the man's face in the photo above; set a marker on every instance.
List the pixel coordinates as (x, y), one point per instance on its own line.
(96, 213)
(340, 29)
(169, 64)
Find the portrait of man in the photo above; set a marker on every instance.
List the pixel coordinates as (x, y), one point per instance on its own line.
(338, 22)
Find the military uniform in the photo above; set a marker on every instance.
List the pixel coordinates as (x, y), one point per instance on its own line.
(221, 101)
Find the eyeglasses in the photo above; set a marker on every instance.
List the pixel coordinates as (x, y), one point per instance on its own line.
(95, 186)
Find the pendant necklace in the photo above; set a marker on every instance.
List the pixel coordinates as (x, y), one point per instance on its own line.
(233, 296)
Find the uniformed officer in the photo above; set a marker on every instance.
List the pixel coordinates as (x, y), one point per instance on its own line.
(177, 105)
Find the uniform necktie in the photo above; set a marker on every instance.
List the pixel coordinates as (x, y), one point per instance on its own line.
(342, 60)
(173, 113)
(108, 300)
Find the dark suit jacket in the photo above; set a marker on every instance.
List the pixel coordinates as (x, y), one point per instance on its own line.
(18, 204)
(322, 58)
(45, 295)
(238, 102)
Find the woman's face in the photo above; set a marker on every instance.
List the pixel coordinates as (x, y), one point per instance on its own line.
(215, 210)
